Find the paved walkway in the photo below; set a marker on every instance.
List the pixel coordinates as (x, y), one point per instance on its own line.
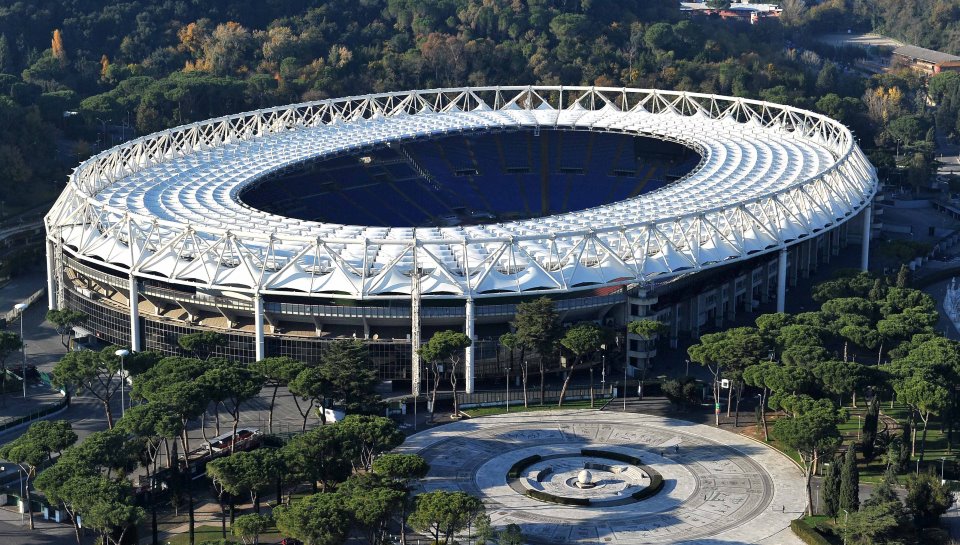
(721, 488)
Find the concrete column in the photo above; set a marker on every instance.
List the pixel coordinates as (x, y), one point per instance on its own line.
(134, 314)
(51, 276)
(865, 247)
(468, 356)
(835, 242)
(782, 280)
(258, 327)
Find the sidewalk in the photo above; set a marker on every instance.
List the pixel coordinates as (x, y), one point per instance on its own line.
(13, 532)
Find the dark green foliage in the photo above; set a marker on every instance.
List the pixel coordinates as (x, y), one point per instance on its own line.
(830, 486)
(656, 483)
(562, 500)
(618, 456)
(518, 467)
(807, 534)
(850, 481)
(927, 499)
(868, 435)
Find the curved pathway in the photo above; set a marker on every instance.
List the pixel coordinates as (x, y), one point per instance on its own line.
(720, 488)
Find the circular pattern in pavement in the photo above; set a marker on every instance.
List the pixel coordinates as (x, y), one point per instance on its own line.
(719, 487)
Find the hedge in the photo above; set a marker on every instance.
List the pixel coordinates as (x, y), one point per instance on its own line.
(544, 496)
(807, 534)
(516, 468)
(656, 483)
(625, 458)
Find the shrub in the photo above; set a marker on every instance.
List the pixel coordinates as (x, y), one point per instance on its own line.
(544, 496)
(516, 468)
(807, 534)
(625, 458)
(656, 483)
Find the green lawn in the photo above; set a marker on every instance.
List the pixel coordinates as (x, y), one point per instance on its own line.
(212, 533)
(489, 411)
(936, 445)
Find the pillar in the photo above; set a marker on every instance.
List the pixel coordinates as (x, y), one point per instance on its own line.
(258, 326)
(468, 356)
(865, 247)
(51, 276)
(134, 314)
(765, 284)
(782, 280)
(675, 325)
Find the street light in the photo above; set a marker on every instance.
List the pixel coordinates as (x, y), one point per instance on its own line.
(625, 365)
(943, 460)
(20, 307)
(846, 515)
(122, 353)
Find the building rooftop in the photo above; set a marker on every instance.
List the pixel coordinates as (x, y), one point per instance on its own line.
(924, 54)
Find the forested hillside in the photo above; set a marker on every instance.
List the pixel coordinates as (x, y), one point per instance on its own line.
(136, 67)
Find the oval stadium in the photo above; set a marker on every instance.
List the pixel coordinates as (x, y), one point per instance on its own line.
(389, 217)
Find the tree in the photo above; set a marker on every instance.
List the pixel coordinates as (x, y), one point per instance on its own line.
(372, 499)
(446, 345)
(512, 342)
(364, 437)
(850, 481)
(841, 378)
(726, 355)
(56, 47)
(511, 535)
(581, 340)
(870, 422)
(648, 331)
(317, 456)
(202, 344)
(537, 326)
(246, 472)
(35, 447)
(442, 514)
(927, 499)
(925, 396)
(236, 383)
(86, 370)
(352, 376)
(66, 320)
(831, 490)
(903, 277)
(311, 387)
(718, 4)
(402, 468)
(813, 433)
(10, 343)
(319, 519)
(249, 527)
(276, 372)
(875, 524)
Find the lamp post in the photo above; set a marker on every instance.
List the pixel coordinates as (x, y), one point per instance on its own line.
(943, 460)
(20, 477)
(859, 426)
(687, 373)
(846, 515)
(122, 353)
(21, 307)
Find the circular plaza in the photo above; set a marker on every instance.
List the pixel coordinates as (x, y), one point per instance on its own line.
(606, 477)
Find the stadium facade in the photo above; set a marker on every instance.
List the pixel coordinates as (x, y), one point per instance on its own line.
(388, 217)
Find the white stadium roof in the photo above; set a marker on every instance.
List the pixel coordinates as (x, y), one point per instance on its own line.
(166, 206)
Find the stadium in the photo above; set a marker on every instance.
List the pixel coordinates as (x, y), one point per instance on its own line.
(388, 217)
